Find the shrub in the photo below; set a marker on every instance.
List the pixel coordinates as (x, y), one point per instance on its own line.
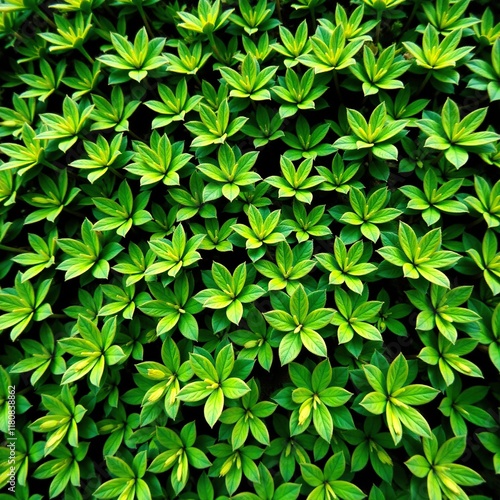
(249, 250)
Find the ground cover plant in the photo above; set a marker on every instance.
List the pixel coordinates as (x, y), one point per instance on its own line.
(249, 249)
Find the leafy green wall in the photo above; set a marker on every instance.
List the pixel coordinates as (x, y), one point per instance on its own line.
(249, 250)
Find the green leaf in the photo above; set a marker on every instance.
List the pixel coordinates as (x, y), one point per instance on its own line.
(281, 320)
(289, 348)
(194, 391)
(214, 406)
(375, 378)
(321, 376)
(203, 368)
(113, 487)
(418, 465)
(312, 474)
(323, 422)
(313, 342)
(397, 374)
(413, 420)
(451, 450)
(234, 311)
(416, 394)
(374, 402)
(234, 388)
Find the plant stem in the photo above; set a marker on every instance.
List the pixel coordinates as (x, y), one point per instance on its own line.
(58, 316)
(475, 223)
(99, 92)
(7, 248)
(115, 172)
(485, 97)
(416, 5)
(214, 48)
(337, 86)
(72, 212)
(370, 157)
(134, 135)
(197, 79)
(52, 167)
(424, 83)
(86, 54)
(278, 10)
(45, 17)
(435, 161)
(17, 36)
(377, 31)
(313, 18)
(24, 391)
(145, 21)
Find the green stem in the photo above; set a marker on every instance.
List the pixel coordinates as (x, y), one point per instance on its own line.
(85, 54)
(58, 316)
(17, 36)
(7, 248)
(424, 83)
(99, 92)
(24, 391)
(278, 10)
(475, 223)
(110, 12)
(115, 172)
(197, 79)
(416, 5)
(436, 160)
(476, 102)
(145, 21)
(313, 18)
(49, 165)
(214, 48)
(45, 17)
(134, 135)
(377, 32)
(337, 86)
(72, 212)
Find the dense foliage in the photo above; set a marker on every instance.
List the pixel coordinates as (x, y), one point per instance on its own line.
(249, 249)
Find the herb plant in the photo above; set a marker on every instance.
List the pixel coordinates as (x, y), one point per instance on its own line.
(249, 249)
